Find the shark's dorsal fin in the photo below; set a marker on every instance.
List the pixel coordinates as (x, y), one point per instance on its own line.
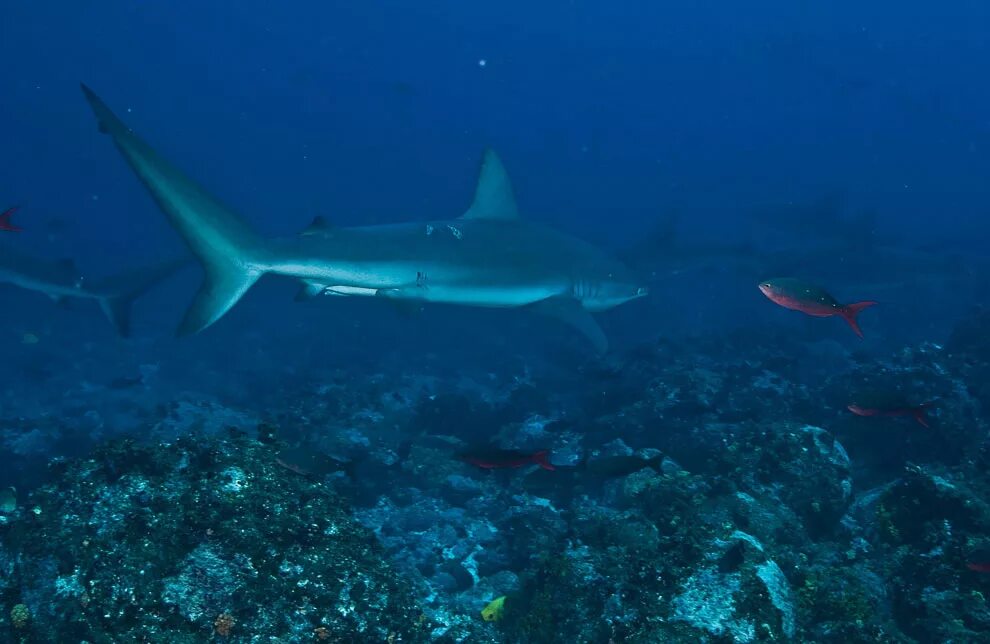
(318, 226)
(493, 198)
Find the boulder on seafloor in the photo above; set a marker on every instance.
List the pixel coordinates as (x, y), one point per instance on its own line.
(201, 538)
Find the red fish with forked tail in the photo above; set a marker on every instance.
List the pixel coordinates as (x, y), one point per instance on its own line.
(6, 224)
(812, 300)
(978, 560)
(497, 459)
(914, 411)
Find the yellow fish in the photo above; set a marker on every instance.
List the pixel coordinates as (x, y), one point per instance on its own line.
(493, 611)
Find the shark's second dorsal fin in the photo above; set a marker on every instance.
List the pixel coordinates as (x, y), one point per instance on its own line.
(318, 226)
(493, 198)
(68, 266)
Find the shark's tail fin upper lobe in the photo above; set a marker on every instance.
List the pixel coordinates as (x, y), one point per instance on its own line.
(233, 256)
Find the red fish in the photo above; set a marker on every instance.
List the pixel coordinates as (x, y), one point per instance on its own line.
(978, 559)
(497, 459)
(916, 411)
(813, 300)
(6, 224)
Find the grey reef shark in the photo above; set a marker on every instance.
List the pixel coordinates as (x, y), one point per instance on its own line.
(60, 280)
(488, 257)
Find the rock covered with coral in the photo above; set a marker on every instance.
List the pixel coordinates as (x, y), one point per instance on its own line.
(199, 539)
(719, 490)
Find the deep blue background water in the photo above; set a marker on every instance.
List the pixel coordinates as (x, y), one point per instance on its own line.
(609, 118)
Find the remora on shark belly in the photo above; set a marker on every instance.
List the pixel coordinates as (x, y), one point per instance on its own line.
(487, 257)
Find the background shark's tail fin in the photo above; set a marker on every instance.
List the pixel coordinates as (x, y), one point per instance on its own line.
(233, 256)
(118, 292)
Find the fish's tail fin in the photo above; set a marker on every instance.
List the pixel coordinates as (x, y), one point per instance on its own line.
(542, 458)
(920, 413)
(5, 220)
(118, 292)
(850, 311)
(232, 255)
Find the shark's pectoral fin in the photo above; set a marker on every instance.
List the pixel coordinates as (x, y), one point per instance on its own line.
(493, 197)
(309, 291)
(569, 311)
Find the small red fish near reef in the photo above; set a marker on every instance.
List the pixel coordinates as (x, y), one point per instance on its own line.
(917, 412)
(6, 224)
(812, 300)
(498, 459)
(978, 559)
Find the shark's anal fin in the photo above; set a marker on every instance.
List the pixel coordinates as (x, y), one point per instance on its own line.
(569, 311)
(309, 291)
(493, 197)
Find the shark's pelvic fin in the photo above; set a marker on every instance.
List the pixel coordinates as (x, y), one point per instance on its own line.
(569, 311)
(233, 256)
(493, 197)
(309, 291)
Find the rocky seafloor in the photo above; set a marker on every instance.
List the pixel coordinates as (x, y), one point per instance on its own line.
(714, 490)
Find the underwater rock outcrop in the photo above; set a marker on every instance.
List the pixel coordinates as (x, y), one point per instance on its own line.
(205, 538)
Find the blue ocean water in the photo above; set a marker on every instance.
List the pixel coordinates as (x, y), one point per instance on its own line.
(709, 146)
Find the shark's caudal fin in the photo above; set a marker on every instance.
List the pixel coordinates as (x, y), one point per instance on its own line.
(233, 256)
(118, 292)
